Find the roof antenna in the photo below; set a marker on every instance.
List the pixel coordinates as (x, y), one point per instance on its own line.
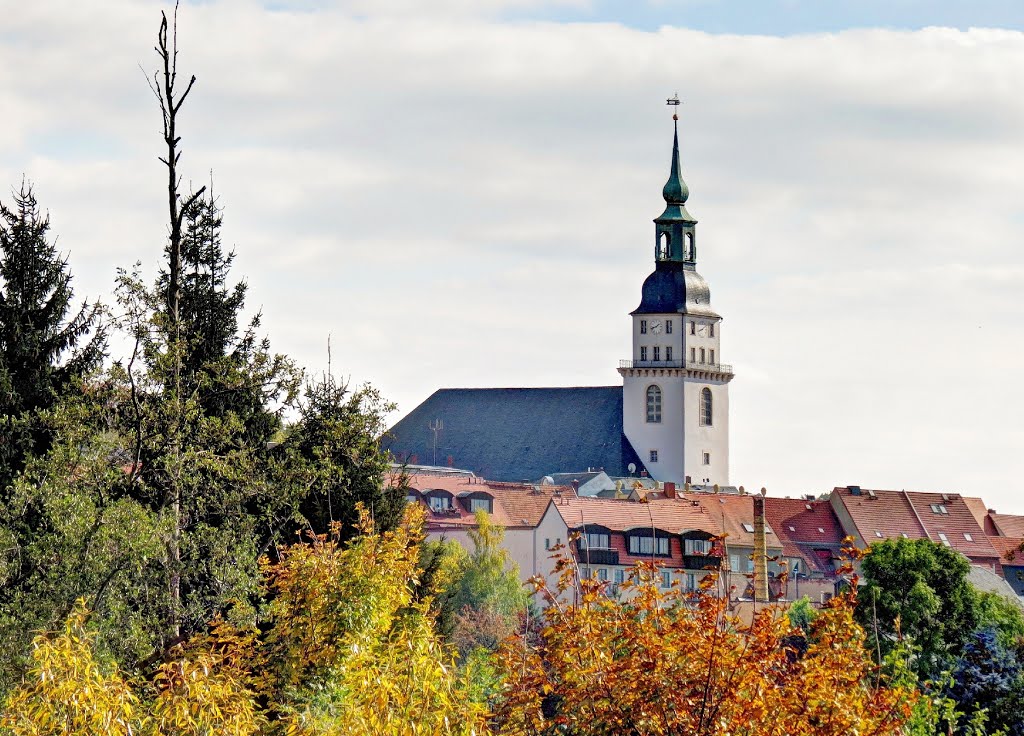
(435, 426)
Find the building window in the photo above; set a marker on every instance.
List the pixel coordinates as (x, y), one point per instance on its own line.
(711, 330)
(602, 574)
(693, 327)
(944, 538)
(663, 242)
(702, 355)
(643, 327)
(735, 563)
(547, 543)
(938, 508)
(657, 353)
(968, 537)
(597, 540)
(696, 546)
(479, 504)
(666, 579)
(706, 414)
(668, 352)
(654, 405)
(643, 352)
(668, 327)
(440, 503)
(707, 458)
(878, 534)
(693, 355)
(649, 546)
(711, 356)
(691, 581)
(619, 577)
(748, 528)
(654, 456)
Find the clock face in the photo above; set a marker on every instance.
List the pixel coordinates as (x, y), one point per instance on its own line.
(656, 326)
(702, 330)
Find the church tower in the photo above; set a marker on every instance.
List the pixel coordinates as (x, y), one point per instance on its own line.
(675, 389)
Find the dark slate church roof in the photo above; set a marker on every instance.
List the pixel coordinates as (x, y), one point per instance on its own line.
(515, 434)
(673, 287)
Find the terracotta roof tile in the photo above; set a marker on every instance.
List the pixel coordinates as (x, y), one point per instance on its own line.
(672, 515)
(803, 526)
(516, 505)
(1008, 525)
(880, 514)
(1009, 549)
(735, 514)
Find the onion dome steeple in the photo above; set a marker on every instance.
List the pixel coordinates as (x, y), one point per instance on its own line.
(675, 232)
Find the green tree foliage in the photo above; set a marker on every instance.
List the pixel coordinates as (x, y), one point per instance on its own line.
(345, 650)
(45, 343)
(917, 588)
(334, 453)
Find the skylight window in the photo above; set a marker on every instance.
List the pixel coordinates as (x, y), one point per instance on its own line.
(821, 530)
(944, 538)
(968, 537)
(749, 528)
(878, 534)
(938, 508)
(792, 528)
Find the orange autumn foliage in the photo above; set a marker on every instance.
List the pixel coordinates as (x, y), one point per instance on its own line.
(676, 662)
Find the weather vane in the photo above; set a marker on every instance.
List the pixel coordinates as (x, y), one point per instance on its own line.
(674, 101)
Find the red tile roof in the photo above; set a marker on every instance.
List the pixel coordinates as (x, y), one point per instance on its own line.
(1009, 549)
(672, 515)
(733, 512)
(516, 505)
(803, 526)
(1008, 525)
(891, 514)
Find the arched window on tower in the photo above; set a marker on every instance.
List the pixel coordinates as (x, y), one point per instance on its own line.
(654, 404)
(705, 407)
(663, 242)
(688, 246)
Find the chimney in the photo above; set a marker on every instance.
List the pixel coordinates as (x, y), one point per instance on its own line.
(670, 489)
(760, 551)
(643, 473)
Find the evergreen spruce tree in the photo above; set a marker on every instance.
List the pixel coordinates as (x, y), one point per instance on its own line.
(40, 331)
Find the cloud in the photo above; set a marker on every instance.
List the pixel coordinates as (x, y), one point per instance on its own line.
(462, 201)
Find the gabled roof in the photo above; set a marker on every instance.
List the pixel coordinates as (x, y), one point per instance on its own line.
(1009, 550)
(804, 526)
(736, 516)
(675, 516)
(880, 514)
(517, 434)
(516, 506)
(1008, 525)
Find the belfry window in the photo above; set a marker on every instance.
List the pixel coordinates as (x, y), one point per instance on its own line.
(688, 246)
(663, 242)
(654, 404)
(643, 327)
(705, 407)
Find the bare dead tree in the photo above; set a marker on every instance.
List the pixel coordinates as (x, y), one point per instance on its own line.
(163, 86)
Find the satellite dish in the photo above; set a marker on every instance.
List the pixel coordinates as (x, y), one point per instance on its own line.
(631, 467)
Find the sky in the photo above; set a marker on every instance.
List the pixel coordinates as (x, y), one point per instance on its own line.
(460, 193)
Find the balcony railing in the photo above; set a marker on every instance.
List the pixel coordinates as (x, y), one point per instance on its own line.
(688, 364)
(596, 555)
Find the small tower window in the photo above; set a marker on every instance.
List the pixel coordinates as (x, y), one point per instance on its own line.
(693, 355)
(711, 330)
(693, 327)
(702, 356)
(643, 327)
(711, 357)
(668, 327)
(668, 352)
(663, 242)
(643, 352)
(707, 458)
(657, 353)
(654, 405)
(654, 456)
(705, 407)
(688, 244)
